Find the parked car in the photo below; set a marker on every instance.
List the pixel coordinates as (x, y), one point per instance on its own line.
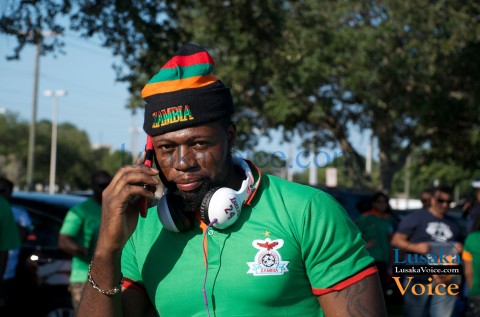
(43, 271)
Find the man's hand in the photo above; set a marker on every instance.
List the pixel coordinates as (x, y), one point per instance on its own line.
(420, 248)
(120, 211)
(120, 205)
(400, 240)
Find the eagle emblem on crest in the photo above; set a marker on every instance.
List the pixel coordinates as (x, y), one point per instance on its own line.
(268, 260)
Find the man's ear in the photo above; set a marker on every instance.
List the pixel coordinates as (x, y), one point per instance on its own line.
(231, 135)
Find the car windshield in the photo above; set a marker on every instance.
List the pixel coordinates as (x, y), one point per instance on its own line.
(46, 213)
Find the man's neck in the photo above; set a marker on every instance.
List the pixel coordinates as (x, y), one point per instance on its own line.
(436, 213)
(237, 176)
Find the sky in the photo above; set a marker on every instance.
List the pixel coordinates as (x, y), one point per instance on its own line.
(95, 102)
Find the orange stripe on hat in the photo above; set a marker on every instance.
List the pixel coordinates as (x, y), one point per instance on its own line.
(175, 85)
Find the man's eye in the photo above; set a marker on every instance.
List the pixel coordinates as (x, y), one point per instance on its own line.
(166, 147)
(200, 144)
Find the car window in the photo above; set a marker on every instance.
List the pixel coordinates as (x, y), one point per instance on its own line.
(44, 229)
(47, 213)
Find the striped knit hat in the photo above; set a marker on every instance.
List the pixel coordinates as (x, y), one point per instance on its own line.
(184, 93)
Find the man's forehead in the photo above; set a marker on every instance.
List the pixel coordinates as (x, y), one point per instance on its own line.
(442, 194)
(204, 130)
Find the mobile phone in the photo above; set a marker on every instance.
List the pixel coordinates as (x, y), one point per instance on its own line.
(149, 154)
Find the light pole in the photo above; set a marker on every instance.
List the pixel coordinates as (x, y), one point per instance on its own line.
(53, 151)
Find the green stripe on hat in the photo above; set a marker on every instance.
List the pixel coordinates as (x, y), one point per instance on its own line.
(167, 74)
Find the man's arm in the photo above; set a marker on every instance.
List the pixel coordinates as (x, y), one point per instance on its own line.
(363, 298)
(105, 272)
(67, 244)
(3, 263)
(467, 266)
(120, 214)
(400, 240)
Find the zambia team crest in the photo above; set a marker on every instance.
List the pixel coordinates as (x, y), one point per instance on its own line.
(268, 260)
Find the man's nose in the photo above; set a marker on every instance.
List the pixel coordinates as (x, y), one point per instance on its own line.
(184, 158)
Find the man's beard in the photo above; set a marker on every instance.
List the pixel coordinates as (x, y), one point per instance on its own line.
(190, 202)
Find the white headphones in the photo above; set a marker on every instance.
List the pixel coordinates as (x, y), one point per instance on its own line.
(221, 203)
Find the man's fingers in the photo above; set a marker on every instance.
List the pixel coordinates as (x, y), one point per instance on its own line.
(141, 158)
(130, 180)
(126, 172)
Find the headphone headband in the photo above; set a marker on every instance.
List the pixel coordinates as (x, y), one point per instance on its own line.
(246, 188)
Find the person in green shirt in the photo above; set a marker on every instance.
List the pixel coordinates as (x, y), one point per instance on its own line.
(79, 231)
(471, 262)
(9, 239)
(224, 239)
(377, 227)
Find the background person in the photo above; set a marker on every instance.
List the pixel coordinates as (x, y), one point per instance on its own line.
(9, 239)
(426, 198)
(471, 209)
(79, 232)
(291, 251)
(471, 262)
(417, 233)
(24, 224)
(377, 227)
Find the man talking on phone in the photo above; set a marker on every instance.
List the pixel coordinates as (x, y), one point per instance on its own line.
(224, 239)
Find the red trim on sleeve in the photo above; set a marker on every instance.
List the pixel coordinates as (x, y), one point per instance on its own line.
(347, 282)
(131, 284)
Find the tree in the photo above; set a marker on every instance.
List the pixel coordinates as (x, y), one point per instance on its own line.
(395, 68)
(13, 143)
(75, 158)
(143, 33)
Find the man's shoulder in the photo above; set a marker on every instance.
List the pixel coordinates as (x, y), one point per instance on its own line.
(420, 214)
(473, 237)
(5, 207)
(291, 194)
(85, 206)
(4, 202)
(272, 183)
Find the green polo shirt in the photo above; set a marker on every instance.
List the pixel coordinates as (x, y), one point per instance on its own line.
(472, 246)
(82, 222)
(376, 228)
(291, 243)
(9, 237)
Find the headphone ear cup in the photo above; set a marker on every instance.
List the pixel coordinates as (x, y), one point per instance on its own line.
(205, 203)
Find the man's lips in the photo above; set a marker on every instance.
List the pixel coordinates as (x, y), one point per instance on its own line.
(189, 184)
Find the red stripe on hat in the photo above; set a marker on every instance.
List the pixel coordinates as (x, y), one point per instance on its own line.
(346, 283)
(198, 58)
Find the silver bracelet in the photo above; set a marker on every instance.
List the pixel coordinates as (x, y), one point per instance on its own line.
(109, 292)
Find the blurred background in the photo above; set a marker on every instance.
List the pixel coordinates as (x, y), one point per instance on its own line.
(352, 97)
(380, 95)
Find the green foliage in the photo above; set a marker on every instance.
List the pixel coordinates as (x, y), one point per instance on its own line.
(75, 158)
(408, 71)
(343, 163)
(427, 170)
